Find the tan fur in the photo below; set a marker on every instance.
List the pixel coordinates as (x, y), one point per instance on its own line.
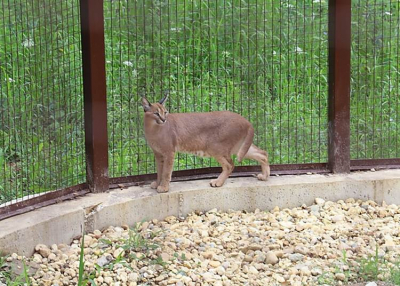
(218, 134)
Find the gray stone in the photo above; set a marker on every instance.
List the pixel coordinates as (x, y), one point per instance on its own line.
(104, 260)
(294, 257)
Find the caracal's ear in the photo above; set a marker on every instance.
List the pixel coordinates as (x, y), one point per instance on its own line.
(146, 104)
(162, 101)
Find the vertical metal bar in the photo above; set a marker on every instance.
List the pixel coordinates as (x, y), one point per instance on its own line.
(339, 86)
(94, 88)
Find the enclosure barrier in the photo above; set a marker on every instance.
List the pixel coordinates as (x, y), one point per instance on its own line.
(73, 73)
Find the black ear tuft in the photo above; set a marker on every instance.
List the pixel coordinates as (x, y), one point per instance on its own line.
(146, 104)
(164, 99)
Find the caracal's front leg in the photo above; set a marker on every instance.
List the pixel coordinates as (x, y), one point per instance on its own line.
(167, 167)
(159, 164)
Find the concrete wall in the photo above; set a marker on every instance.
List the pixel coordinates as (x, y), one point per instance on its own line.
(62, 222)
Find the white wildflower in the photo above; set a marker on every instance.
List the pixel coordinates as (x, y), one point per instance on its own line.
(299, 50)
(226, 53)
(134, 73)
(176, 29)
(28, 43)
(274, 53)
(388, 13)
(108, 62)
(10, 80)
(128, 63)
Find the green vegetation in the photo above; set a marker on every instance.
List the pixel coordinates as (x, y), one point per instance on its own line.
(138, 245)
(41, 110)
(371, 268)
(9, 278)
(374, 268)
(136, 241)
(264, 59)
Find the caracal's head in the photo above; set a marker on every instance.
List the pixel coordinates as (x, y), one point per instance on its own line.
(155, 111)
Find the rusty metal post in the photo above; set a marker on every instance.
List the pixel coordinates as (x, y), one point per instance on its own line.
(94, 88)
(339, 86)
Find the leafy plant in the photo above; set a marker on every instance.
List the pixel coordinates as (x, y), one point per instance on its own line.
(136, 241)
(81, 280)
(394, 274)
(371, 266)
(159, 261)
(8, 278)
(84, 278)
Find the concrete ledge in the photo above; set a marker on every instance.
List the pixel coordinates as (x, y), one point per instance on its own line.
(62, 222)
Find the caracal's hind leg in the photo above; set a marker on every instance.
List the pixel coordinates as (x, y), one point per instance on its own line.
(261, 156)
(227, 168)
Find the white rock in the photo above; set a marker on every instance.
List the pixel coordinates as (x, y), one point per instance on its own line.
(52, 257)
(88, 240)
(220, 270)
(294, 257)
(305, 271)
(315, 209)
(340, 276)
(271, 258)
(337, 218)
(208, 276)
(253, 270)
(119, 252)
(133, 277)
(316, 271)
(43, 250)
(278, 278)
(214, 264)
(301, 249)
(108, 280)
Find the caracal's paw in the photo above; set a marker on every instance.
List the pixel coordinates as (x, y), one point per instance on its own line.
(154, 185)
(216, 183)
(262, 177)
(162, 189)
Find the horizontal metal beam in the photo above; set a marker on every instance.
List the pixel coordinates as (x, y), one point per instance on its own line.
(377, 164)
(212, 172)
(54, 197)
(49, 198)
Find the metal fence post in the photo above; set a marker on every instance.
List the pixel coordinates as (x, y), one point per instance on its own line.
(94, 87)
(339, 86)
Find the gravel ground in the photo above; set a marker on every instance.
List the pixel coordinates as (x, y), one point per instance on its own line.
(300, 246)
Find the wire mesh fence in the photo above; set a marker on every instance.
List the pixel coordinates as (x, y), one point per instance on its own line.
(266, 60)
(375, 93)
(41, 110)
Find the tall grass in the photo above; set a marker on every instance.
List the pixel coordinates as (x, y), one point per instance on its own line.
(266, 60)
(41, 115)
